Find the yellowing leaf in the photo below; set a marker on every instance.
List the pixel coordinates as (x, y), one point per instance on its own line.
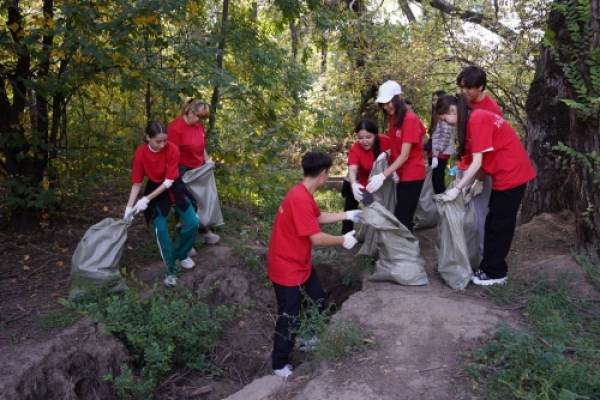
(26, 268)
(104, 208)
(60, 263)
(26, 258)
(13, 27)
(64, 250)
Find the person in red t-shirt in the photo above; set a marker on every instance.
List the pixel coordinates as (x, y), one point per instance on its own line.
(406, 134)
(498, 152)
(295, 230)
(472, 81)
(368, 147)
(187, 133)
(157, 159)
(442, 146)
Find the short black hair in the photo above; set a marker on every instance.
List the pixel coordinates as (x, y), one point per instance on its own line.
(314, 162)
(473, 76)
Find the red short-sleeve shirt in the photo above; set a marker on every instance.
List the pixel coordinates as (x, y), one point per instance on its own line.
(412, 131)
(190, 140)
(290, 249)
(157, 166)
(364, 159)
(488, 104)
(506, 161)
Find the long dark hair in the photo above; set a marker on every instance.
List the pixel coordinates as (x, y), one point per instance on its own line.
(400, 109)
(370, 127)
(153, 128)
(463, 111)
(434, 120)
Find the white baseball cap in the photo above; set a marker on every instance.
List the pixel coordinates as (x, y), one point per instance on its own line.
(387, 91)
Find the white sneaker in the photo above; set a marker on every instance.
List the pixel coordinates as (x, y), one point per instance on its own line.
(284, 372)
(308, 344)
(192, 253)
(209, 238)
(170, 280)
(187, 263)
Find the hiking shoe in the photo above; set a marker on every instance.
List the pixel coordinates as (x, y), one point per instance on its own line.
(284, 372)
(308, 344)
(484, 280)
(476, 274)
(187, 263)
(170, 280)
(209, 238)
(192, 253)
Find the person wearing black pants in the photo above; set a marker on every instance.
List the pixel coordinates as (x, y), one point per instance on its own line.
(350, 203)
(496, 151)
(295, 230)
(407, 199)
(289, 303)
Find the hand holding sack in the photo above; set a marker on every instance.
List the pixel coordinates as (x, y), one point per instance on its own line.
(375, 183)
(356, 191)
(129, 213)
(434, 162)
(476, 188)
(141, 204)
(395, 177)
(382, 156)
(353, 215)
(349, 240)
(451, 194)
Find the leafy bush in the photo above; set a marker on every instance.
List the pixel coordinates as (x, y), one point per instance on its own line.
(160, 331)
(57, 319)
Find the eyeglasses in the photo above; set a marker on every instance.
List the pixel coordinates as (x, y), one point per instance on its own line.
(202, 118)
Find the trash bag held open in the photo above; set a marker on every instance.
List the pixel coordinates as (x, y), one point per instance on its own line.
(202, 186)
(426, 214)
(96, 259)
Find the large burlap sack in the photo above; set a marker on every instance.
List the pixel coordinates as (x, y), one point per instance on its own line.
(457, 243)
(386, 196)
(426, 214)
(96, 258)
(201, 184)
(399, 254)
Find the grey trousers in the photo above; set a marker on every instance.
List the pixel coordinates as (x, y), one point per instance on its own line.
(481, 203)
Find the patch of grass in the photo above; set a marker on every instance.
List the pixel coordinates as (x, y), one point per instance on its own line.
(591, 266)
(57, 319)
(557, 358)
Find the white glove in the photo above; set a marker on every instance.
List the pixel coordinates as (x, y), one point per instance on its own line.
(375, 183)
(142, 204)
(476, 188)
(395, 177)
(349, 240)
(451, 194)
(353, 215)
(129, 212)
(356, 191)
(382, 156)
(434, 162)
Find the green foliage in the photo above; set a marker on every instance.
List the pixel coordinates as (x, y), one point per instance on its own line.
(590, 263)
(556, 359)
(161, 331)
(57, 319)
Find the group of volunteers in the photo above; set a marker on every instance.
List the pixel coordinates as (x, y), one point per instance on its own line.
(164, 162)
(492, 165)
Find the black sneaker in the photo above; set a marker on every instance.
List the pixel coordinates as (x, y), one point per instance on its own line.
(480, 278)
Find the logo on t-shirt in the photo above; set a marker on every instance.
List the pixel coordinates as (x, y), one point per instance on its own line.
(499, 121)
(280, 209)
(399, 132)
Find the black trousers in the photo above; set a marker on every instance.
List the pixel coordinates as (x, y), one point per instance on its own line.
(289, 303)
(350, 204)
(500, 225)
(438, 175)
(407, 199)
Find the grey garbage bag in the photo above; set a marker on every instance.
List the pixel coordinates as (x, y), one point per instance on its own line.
(457, 237)
(96, 258)
(399, 254)
(386, 195)
(426, 214)
(202, 185)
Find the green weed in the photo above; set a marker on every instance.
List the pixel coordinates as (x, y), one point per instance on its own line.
(57, 319)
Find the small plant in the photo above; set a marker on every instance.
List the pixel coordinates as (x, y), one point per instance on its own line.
(591, 265)
(57, 319)
(161, 331)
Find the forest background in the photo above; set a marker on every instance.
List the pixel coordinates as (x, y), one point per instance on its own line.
(80, 79)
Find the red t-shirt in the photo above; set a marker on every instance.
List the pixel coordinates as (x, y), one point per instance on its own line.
(190, 140)
(290, 249)
(156, 166)
(364, 159)
(488, 104)
(507, 161)
(411, 131)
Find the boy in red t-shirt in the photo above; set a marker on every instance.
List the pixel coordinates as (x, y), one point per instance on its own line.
(295, 230)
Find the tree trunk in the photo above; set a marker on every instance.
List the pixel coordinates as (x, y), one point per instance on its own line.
(570, 184)
(214, 101)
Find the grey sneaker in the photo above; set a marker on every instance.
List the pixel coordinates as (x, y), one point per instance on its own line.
(308, 344)
(284, 372)
(209, 238)
(187, 263)
(482, 279)
(170, 280)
